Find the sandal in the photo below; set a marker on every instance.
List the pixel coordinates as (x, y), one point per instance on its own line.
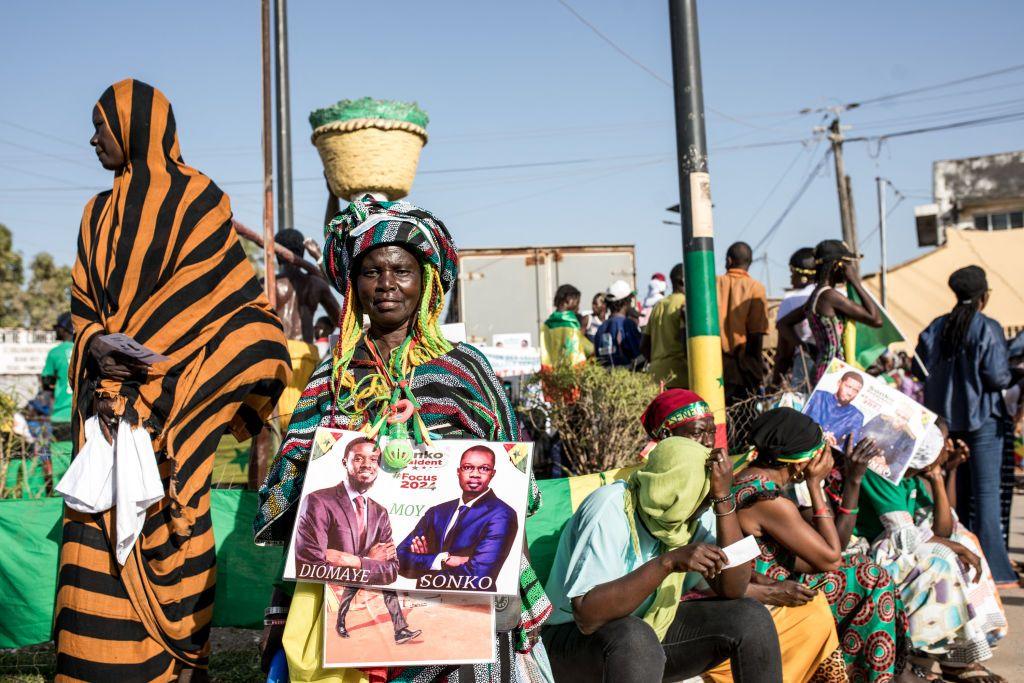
(972, 673)
(924, 674)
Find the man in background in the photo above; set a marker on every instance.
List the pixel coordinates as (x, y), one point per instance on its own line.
(299, 295)
(743, 323)
(593, 318)
(802, 279)
(618, 338)
(54, 378)
(562, 341)
(664, 340)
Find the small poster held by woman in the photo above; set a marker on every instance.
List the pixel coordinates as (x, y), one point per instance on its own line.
(851, 404)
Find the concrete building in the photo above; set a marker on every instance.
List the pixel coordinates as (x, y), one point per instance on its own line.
(977, 193)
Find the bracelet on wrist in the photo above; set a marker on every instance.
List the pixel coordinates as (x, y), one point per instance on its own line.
(723, 499)
(275, 609)
(848, 511)
(820, 511)
(727, 512)
(825, 515)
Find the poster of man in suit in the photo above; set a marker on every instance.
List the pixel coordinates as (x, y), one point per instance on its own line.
(458, 508)
(343, 532)
(468, 538)
(852, 405)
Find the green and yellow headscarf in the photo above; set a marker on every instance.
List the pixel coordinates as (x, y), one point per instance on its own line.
(665, 493)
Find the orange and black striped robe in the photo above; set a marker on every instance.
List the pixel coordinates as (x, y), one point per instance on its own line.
(158, 261)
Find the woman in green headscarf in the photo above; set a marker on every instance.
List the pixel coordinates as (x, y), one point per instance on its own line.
(623, 562)
(789, 447)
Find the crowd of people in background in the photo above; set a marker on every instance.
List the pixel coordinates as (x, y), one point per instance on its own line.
(855, 578)
(911, 571)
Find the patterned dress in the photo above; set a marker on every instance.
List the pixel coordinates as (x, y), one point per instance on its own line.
(460, 398)
(865, 603)
(950, 615)
(827, 331)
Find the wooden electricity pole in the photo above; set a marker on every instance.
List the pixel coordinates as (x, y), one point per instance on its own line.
(268, 164)
(846, 215)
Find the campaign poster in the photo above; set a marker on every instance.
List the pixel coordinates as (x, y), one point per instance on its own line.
(451, 521)
(366, 627)
(849, 402)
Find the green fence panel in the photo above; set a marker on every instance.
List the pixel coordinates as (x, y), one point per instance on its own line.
(30, 539)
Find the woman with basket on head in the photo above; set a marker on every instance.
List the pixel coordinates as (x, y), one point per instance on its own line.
(393, 262)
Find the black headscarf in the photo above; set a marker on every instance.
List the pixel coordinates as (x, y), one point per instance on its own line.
(782, 433)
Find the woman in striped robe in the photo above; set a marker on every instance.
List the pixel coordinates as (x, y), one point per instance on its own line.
(159, 262)
(394, 262)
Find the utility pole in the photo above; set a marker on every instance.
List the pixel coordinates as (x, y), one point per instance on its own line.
(846, 216)
(880, 184)
(285, 215)
(268, 164)
(704, 345)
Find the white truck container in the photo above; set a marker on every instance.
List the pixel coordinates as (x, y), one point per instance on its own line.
(509, 291)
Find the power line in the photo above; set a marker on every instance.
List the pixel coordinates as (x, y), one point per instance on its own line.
(989, 120)
(771, 192)
(42, 134)
(913, 91)
(796, 198)
(648, 70)
(583, 20)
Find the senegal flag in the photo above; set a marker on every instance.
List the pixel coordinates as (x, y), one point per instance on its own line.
(862, 345)
(561, 498)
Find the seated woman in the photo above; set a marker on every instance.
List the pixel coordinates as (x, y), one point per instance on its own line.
(630, 550)
(953, 607)
(790, 447)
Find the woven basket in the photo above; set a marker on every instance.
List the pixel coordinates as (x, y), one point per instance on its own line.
(370, 155)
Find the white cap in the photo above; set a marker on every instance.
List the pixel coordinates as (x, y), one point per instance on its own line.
(618, 290)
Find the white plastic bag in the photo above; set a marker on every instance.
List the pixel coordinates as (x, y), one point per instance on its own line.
(122, 475)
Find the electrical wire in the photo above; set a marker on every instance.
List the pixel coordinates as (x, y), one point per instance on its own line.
(796, 198)
(771, 192)
(648, 70)
(970, 123)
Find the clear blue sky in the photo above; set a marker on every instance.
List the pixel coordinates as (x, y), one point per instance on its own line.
(522, 82)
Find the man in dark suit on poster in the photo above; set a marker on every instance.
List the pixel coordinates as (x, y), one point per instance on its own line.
(463, 543)
(343, 535)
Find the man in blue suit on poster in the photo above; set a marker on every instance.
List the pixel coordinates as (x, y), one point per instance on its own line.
(463, 543)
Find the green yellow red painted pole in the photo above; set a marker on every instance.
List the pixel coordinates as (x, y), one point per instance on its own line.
(703, 342)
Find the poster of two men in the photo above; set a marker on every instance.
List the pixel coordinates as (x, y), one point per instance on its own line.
(446, 523)
(428, 545)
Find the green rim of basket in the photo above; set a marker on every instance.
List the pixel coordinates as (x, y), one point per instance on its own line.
(369, 108)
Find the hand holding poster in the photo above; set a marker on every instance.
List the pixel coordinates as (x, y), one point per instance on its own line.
(451, 521)
(849, 403)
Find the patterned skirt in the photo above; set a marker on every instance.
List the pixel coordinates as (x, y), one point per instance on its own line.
(869, 617)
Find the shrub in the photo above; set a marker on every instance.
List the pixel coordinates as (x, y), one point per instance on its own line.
(596, 411)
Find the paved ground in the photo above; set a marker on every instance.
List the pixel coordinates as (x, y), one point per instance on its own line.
(1009, 655)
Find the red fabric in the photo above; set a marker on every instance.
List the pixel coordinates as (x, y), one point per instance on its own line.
(663, 405)
(360, 521)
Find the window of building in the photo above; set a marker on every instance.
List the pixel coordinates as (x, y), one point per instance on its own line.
(999, 221)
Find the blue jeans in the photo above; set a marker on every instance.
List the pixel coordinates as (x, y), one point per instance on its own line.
(978, 494)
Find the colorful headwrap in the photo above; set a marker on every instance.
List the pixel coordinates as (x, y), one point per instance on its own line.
(785, 435)
(671, 408)
(366, 223)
